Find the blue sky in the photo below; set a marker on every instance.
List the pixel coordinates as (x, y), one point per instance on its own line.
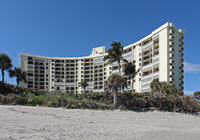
(66, 28)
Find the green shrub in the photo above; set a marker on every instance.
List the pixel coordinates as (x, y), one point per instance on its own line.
(21, 101)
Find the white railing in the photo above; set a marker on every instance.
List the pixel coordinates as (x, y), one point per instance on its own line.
(148, 66)
(155, 64)
(156, 57)
(98, 90)
(147, 46)
(146, 80)
(146, 77)
(146, 90)
(127, 54)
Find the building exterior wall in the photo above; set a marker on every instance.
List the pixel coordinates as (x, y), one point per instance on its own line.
(158, 56)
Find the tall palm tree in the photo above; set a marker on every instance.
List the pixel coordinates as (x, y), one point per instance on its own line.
(19, 74)
(5, 64)
(114, 83)
(131, 72)
(115, 54)
(83, 84)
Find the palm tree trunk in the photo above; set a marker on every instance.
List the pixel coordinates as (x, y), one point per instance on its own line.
(120, 74)
(2, 71)
(115, 97)
(132, 84)
(119, 68)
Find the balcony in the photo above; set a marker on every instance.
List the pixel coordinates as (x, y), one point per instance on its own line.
(147, 57)
(147, 61)
(147, 65)
(156, 43)
(146, 53)
(156, 48)
(147, 73)
(155, 53)
(156, 75)
(127, 54)
(147, 46)
(39, 64)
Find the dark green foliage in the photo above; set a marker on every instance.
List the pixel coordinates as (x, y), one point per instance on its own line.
(21, 101)
(77, 104)
(165, 102)
(9, 89)
(5, 64)
(158, 87)
(83, 84)
(197, 95)
(126, 100)
(19, 74)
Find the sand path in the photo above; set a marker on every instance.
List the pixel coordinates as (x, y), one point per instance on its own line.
(38, 123)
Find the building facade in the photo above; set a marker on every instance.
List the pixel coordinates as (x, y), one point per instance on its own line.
(158, 56)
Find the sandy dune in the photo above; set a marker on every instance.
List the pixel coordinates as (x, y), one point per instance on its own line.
(19, 122)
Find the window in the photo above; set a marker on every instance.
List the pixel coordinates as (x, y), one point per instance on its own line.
(30, 58)
(30, 74)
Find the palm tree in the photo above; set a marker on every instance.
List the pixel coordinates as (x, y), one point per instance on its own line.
(5, 64)
(162, 87)
(19, 74)
(114, 83)
(197, 95)
(131, 72)
(83, 84)
(171, 88)
(155, 86)
(115, 54)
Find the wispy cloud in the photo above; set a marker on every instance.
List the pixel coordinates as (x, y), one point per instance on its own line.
(188, 67)
(188, 92)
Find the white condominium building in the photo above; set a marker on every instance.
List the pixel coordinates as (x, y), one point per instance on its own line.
(158, 55)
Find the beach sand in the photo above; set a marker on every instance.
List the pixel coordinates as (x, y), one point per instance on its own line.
(38, 123)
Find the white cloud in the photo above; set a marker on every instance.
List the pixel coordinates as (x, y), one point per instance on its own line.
(191, 67)
(188, 92)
